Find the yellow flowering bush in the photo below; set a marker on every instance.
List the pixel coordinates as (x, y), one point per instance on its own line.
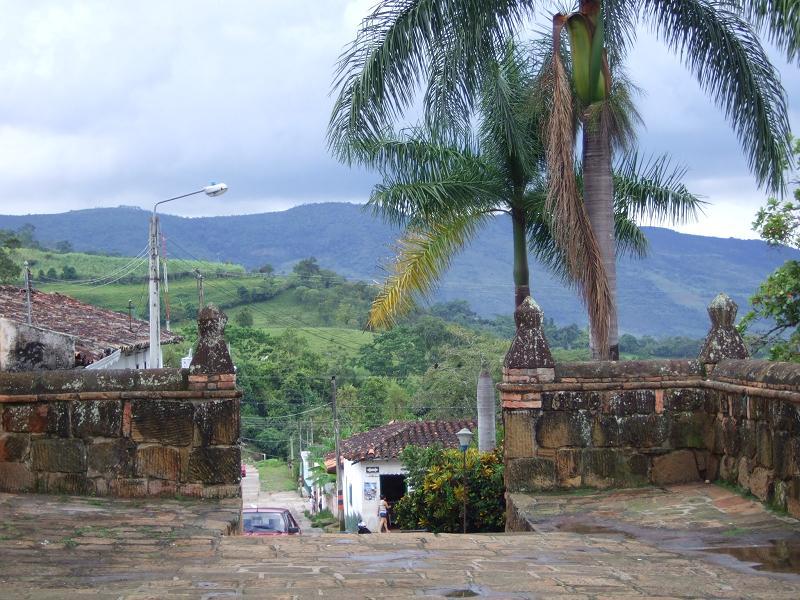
(436, 490)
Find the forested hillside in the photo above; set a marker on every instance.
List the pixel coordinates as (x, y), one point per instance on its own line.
(675, 282)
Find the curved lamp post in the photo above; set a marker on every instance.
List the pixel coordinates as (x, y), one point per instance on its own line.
(154, 362)
(464, 438)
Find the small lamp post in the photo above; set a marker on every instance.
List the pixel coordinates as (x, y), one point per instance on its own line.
(464, 438)
(215, 189)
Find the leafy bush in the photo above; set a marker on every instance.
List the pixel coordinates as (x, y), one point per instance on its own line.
(436, 480)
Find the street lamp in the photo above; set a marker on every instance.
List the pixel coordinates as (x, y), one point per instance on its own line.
(215, 189)
(464, 438)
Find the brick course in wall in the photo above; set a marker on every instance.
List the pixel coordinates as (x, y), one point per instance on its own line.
(622, 424)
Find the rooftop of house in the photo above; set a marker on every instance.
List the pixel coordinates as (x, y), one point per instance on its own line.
(388, 441)
(97, 331)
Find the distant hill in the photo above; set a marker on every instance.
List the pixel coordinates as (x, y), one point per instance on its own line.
(663, 294)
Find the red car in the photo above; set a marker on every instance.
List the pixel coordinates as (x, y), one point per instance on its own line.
(268, 521)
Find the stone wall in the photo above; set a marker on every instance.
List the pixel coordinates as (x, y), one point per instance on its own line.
(622, 424)
(128, 433)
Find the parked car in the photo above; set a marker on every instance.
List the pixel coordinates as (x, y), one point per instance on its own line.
(268, 521)
(244, 470)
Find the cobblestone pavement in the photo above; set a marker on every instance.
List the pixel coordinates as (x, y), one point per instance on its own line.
(52, 547)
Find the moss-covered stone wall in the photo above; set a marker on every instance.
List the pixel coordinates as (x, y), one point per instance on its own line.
(162, 432)
(622, 424)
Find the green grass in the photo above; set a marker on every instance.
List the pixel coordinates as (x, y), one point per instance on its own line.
(330, 340)
(181, 291)
(90, 266)
(275, 476)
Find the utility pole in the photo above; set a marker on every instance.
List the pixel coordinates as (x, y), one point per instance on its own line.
(155, 309)
(166, 279)
(339, 496)
(200, 294)
(28, 292)
(310, 433)
(130, 315)
(291, 451)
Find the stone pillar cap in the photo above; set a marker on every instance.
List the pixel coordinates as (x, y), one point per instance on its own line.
(723, 340)
(529, 350)
(211, 355)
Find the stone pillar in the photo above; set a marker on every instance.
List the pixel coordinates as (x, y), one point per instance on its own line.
(527, 365)
(723, 340)
(211, 355)
(486, 412)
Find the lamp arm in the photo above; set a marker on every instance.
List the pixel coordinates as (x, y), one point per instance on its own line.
(176, 198)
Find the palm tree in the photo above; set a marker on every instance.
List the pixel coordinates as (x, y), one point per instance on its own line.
(444, 185)
(446, 45)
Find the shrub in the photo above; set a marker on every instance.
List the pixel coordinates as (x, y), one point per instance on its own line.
(435, 500)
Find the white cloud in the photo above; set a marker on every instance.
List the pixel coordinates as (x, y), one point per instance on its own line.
(106, 103)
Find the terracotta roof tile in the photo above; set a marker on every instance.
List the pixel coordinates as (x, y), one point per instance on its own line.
(389, 440)
(97, 331)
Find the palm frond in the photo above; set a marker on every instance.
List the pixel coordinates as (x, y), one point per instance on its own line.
(653, 189)
(508, 127)
(425, 180)
(564, 206)
(779, 19)
(630, 239)
(424, 254)
(620, 29)
(379, 73)
(727, 59)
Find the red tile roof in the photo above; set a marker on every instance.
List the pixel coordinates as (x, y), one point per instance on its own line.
(388, 441)
(97, 330)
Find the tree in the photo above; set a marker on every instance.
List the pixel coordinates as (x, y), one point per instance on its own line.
(244, 318)
(777, 300)
(448, 46)
(307, 269)
(267, 269)
(63, 247)
(444, 185)
(9, 270)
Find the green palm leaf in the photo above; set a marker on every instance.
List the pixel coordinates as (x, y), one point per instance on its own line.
(424, 254)
(780, 19)
(653, 189)
(727, 59)
(394, 51)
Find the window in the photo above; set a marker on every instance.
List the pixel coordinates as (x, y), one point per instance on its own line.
(350, 493)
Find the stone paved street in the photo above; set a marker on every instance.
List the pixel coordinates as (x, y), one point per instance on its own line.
(601, 547)
(252, 494)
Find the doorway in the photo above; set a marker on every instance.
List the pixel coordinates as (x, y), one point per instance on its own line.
(393, 487)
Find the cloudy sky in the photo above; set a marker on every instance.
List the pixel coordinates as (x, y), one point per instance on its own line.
(108, 103)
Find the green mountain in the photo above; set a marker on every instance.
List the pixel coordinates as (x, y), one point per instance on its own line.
(663, 294)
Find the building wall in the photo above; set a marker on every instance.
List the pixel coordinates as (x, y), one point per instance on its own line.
(358, 475)
(120, 433)
(27, 348)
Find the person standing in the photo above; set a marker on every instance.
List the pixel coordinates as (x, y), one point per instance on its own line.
(383, 513)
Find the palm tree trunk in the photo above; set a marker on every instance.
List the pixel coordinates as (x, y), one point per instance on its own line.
(521, 276)
(598, 193)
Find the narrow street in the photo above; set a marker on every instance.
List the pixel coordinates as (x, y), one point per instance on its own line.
(252, 494)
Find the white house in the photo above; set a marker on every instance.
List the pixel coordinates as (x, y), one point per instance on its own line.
(371, 466)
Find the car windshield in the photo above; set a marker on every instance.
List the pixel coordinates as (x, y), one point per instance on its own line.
(264, 521)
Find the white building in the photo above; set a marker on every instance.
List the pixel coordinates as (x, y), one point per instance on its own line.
(371, 466)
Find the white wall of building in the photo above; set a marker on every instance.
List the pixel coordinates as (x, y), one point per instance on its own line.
(362, 489)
